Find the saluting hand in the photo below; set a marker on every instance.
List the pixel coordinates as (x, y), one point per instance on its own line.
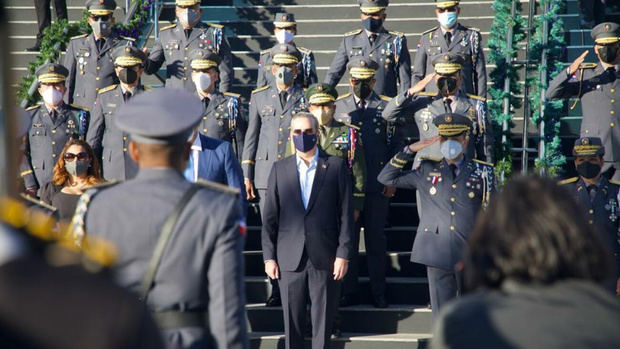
(419, 145)
(419, 87)
(272, 270)
(575, 65)
(341, 266)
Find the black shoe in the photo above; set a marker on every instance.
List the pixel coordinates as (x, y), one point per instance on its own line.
(348, 300)
(35, 48)
(274, 301)
(380, 302)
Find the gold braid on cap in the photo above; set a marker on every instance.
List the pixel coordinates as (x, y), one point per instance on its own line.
(321, 98)
(285, 58)
(452, 129)
(372, 9)
(608, 40)
(51, 78)
(586, 149)
(444, 4)
(127, 61)
(362, 72)
(447, 68)
(203, 64)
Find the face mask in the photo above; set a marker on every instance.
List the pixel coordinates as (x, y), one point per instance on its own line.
(371, 24)
(446, 85)
(52, 96)
(202, 81)
(303, 142)
(608, 54)
(322, 115)
(451, 149)
(77, 168)
(128, 76)
(362, 89)
(101, 28)
(285, 76)
(188, 17)
(284, 36)
(588, 169)
(447, 19)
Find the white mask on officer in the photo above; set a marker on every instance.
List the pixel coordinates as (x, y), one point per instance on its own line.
(202, 81)
(52, 96)
(188, 17)
(284, 36)
(451, 149)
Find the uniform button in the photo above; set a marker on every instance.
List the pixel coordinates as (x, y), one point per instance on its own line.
(280, 129)
(53, 131)
(279, 142)
(453, 186)
(591, 211)
(124, 138)
(453, 199)
(613, 100)
(425, 229)
(187, 48)
(452, 227)
(53, 155)
(204, 130)
(590, 222)
(53, 142)
(98, 68)
(124, 150)
(279, 156)
(612, 90)
(612, 124)
(184, 68)
(97, 78)
(612, 112)
(185, 78)
(185, 58)
(360, 123)
(453, 213)
(281, 116)
(204, 118)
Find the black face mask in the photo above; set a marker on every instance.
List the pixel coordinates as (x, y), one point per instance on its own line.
(446, 85)
(128, 76)
(588, 169)
(608, 54)
(372, 25)
(362, 89)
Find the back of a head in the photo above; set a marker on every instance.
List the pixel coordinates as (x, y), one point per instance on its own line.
(533, 232)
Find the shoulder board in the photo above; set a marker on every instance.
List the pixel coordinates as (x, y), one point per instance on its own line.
(344, 96)
(614, 182)
(568, 180)
(477, 97)
(396, 33)
(353, 32)
(215, 25)
(218, 187)
(79, 107)
(587, 66)
(385, 98)
(79, 36)
(484, 162)
(474, 29)
(231, 94)
(264, 52)
(147, 88)
(350, 125)
(260, 89)
(427, 158)
(430, 30)
(108, 88)
(128, 38)
(167, 27)
(36, 106)
(427, 94)
(303, 50)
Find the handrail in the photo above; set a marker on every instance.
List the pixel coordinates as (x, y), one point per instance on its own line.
(526, 102)
(507, 80)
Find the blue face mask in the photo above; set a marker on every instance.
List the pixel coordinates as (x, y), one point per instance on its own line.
(304, 142)
(451, 149)
(447, 19)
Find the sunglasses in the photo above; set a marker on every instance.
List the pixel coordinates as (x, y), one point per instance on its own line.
(102, 17)
(81, 156)
(308, 131)
(447, 9)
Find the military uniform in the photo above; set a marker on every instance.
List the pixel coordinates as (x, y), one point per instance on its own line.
(450, 206)
(598, 89)
(389, 50)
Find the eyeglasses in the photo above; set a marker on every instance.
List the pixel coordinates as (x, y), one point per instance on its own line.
(81, 156)
(102, 17)
(308, 131)
(447, 9)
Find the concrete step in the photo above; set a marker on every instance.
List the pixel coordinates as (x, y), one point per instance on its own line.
(399, 290)
(271, 340)
(359, 319)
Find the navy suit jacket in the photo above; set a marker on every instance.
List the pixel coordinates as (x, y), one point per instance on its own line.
(218, 163)
(323, 230)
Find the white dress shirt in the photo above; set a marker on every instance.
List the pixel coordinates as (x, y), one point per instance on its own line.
(196, 149)
(306, 176)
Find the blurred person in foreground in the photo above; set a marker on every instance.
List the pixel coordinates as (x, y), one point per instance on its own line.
(535, 284)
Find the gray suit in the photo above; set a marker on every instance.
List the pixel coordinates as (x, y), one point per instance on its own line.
(222, 120)
(306, 68)
(110, 144)
(201, 269)
(90, 69)
(45, 140)
(465, 42)
(389, 51)
(173, 47)
(600, 106)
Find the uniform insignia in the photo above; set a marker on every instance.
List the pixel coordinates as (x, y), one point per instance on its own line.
(36, 106)
(484, 163)
(614, 182)
(167, 27)
(344, 96)
(353, 32)
(430, 30)
(476, 97)
(79, 107)
(231, 94)
(397, 33)
(471, 195)
(427, 94)
(587, 66)
(303, 50)
(385, 98)
(568, 180)
(432, 190)
(260, 89)
(108, 88)
(215, 25)
(79, 36)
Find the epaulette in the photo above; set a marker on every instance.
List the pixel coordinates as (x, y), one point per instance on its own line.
(350, 125)
(231, 94)
(477, 97)
(264, 52)
(147, 88)
(587, 66)
(614, 182)
(427, 94)
(484, 162)
(33, 107)
(385, 98)
(218, 187)
(79, 107)
(304, 50)
(344, 96)
(40, 203)
(430, 30)
(79, 36)
(260, 89)
(428, 158)
(215, 25)
(396, 33)
(474, 29)
(128, 38)
(353, 32)
(568, 180)
(167, 27)
(108, 88)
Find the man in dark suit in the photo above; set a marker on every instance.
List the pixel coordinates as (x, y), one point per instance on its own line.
(306, 236)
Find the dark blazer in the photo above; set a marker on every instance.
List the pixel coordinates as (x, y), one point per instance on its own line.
(324, 229)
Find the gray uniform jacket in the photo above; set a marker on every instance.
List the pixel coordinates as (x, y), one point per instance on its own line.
(377, 134)
(45, 140)
(600, 105)
(389, 51)
(306, 68)
(202, 265)
(223, 120)
(89, 68)
(110, 144)
(465, 42)
(268, 131)
(422, 109)
(449, 205)
(174, 47)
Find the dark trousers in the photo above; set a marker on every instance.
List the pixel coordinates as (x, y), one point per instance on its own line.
(44, 15)
(320, 287)
(442, 287)
(372, 218)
